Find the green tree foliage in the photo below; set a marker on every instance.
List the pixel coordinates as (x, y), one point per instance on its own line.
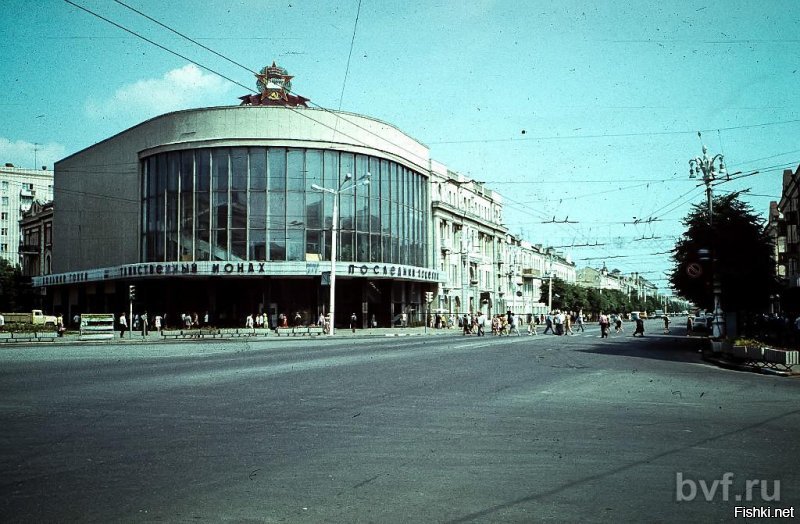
(15, 289)
(738, 242)
(571, 297)
(565, 296)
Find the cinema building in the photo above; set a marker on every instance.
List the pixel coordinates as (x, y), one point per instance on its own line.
(223, 210)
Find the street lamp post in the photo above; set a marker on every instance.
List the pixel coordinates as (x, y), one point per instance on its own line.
(711, 168)
(550, 283)
(363, 181)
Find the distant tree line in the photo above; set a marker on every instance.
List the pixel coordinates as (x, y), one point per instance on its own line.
(572, 297)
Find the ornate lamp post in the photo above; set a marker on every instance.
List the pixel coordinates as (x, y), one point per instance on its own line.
(711, 168)
(343, 186)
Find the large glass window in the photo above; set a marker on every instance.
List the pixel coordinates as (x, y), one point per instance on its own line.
(186, 225)
(202, 245)
(257, 203)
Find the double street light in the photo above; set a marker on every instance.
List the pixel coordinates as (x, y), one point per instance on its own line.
(343, 186)
(711, 168)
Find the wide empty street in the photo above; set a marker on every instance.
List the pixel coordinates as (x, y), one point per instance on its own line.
(436, 428)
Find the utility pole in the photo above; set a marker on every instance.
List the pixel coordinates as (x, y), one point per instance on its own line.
(344, 185)
(550, 293)
(710, 168)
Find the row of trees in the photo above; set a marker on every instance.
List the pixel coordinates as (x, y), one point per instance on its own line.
(571, 297)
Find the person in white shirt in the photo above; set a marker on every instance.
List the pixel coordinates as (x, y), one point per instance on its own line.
(481, 324)
(123, 325)
(514, 324)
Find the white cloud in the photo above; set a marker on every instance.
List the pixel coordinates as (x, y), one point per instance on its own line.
(180, 88)
(29, 155)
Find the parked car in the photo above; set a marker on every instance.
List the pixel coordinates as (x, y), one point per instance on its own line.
(702, 322)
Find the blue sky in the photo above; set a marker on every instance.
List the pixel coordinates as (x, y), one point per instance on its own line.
(585, 110)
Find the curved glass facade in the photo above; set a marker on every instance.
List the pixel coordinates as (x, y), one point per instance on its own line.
(256, 203)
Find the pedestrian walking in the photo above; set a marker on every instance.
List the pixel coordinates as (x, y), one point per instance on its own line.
(639, 327)
(145, 323)
(157, 323)
(532, 325)
(558, 322)
(123, 325)
(481, 322)
(579, 320)
(514, 324)
(604, 325)
(666, 324)
(353, 321)
(548, 324)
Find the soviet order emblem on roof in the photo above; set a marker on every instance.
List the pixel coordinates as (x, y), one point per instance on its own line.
(274, 88)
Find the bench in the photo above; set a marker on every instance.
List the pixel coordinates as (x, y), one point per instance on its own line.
(232, 332)
(300, 330)
(190, 333)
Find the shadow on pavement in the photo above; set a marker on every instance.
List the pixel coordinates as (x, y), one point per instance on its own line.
(656, 346)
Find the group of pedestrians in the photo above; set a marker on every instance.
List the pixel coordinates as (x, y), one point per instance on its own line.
(144, 323)
(556, 323)
(560, 322)
(615, 319)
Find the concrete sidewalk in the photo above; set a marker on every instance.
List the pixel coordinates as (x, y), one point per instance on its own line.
(73, 337)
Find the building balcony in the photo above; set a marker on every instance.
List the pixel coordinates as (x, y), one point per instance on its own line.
(446, 246)
(29, 249)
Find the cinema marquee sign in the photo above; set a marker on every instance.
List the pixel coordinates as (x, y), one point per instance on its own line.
(238, 269)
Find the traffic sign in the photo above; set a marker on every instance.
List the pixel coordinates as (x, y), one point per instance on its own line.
(694, 270)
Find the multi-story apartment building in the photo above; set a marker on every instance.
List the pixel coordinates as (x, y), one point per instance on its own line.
(484, 268)
(468, 236)
(633, 285)
(526, 268)
(783, 226)
(19, 188)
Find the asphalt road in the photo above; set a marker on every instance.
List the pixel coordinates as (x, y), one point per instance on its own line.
(439, 428)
